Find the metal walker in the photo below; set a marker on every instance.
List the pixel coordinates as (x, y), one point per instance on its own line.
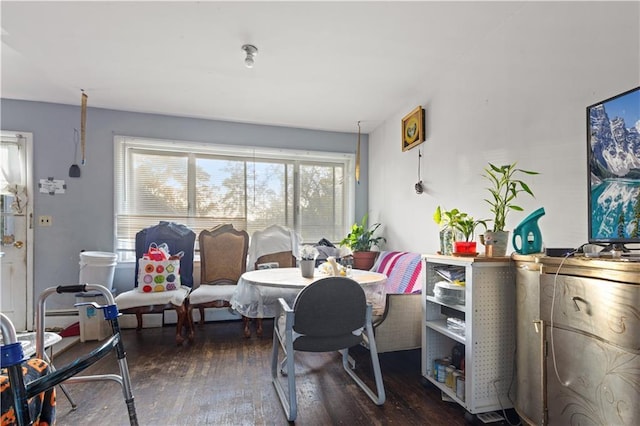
(12, 356)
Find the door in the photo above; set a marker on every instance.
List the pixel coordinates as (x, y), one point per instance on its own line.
(16, 230)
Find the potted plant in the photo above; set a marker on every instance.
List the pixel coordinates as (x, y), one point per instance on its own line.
(308, 255)
(504, 189)
(445, 219)
(458, 230)
(361, 240)
(467, 226)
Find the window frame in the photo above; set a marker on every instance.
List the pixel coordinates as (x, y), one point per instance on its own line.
(199, 150)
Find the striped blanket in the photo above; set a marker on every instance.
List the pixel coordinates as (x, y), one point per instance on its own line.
(403, 269)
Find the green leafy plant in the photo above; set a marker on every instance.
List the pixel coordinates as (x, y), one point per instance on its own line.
(361, 237)
(504, 190)
(445, 218)
(467, 226)
(459, 221)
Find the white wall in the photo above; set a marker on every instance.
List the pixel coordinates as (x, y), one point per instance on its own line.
(521, 96)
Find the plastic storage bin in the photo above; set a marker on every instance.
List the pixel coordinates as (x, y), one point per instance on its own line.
(92, 323)
(452, 294)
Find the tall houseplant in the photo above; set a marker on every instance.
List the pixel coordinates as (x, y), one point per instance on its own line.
(505, 188)
(361, 240)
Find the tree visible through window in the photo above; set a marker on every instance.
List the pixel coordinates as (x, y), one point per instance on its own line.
(203, 186)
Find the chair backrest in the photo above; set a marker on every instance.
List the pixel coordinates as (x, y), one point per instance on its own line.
(327, 312)
(284, 259)
(223, 254)
(273, 239)
(178, 237)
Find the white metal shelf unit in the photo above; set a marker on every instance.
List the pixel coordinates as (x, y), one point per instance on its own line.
(489, 338)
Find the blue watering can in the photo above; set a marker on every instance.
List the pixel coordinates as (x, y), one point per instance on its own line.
(527, 238)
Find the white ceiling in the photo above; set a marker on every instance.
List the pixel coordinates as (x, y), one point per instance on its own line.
(321, 65)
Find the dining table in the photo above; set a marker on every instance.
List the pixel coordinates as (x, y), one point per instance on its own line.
(258, 291)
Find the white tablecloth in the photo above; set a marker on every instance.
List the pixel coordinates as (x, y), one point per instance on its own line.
(257, 292)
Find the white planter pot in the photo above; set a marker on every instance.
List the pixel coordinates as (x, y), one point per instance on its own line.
(307, 267)
(498, 240)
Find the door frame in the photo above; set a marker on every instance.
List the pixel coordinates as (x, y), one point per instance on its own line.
(29, 267)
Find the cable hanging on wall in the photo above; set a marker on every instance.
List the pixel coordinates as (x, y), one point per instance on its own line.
(83, 125)
(419, 186)
(358, 156)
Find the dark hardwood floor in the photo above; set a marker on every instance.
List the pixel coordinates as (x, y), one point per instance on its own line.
(224, 379)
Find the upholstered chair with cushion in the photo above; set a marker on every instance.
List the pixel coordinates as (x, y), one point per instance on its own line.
(179, 238)
(275, 243)
(223, 259)
(275, 246)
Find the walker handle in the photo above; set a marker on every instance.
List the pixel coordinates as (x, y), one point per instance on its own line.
(78, 288)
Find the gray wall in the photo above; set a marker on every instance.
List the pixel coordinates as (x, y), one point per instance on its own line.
(83, 216)
(521, 96)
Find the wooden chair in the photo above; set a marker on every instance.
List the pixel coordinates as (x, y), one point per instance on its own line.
(328, 315)
(223, 259)
(284, 259)
(278, 241)
(273, 245)
(179, 238)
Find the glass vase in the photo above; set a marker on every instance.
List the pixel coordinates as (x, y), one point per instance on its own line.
(447, 237)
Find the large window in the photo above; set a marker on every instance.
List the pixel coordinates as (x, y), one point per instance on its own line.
(203, 185)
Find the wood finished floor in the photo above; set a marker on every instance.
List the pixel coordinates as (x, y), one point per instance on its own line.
(224, 379)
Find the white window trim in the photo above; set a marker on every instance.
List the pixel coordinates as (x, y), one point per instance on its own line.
(123, 142)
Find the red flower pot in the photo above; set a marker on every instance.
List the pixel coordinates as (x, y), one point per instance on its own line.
(465, 247)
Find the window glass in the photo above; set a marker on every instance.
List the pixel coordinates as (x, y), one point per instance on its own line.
(201, 186)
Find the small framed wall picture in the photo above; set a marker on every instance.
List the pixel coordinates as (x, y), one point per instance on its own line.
(413, 128)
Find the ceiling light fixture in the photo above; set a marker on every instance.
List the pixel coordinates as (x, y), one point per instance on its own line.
(251, 52)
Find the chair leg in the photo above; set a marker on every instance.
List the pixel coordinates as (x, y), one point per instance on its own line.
(62, 387)
(289, 402)
(139, 321)
(380, 397)
(247, 330)
(259, 327)
(201, 316)
(189, 322)
(181, 314)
